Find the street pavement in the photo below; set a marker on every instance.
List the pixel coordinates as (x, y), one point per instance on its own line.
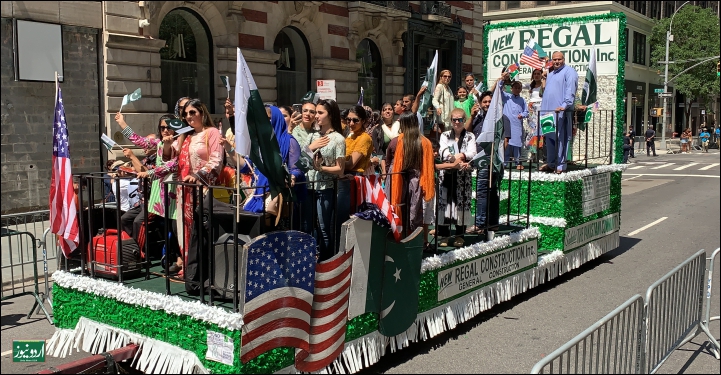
(513, 336)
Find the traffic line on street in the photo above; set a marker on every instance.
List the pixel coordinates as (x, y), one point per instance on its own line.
(636, 167)
(669, 175)
(632, 178)
(663, 165)
(708, 167)
(6, 353)
(685, 166)
(643, 228)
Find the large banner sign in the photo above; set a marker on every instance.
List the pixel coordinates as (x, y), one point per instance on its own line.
(574, 39)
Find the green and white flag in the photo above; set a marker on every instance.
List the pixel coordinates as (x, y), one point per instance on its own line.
(368, 240)
(226, 82)
(133, 96)
(548, 123)
(401, 284)
(108, 142)
(430, 82)
(254, 135)
(588, 96)
(488, 144)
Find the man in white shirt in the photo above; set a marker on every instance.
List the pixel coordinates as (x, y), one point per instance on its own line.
(129, 196)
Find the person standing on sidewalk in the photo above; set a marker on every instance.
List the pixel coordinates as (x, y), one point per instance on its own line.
(627, 145)
(717, 132)
(704, 138)
(632, 134)
(650, 141)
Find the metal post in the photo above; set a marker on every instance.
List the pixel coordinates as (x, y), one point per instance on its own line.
(665, 79)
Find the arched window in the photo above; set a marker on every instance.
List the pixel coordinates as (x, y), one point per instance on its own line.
(186, 61)
(292, 67)
(369, 75)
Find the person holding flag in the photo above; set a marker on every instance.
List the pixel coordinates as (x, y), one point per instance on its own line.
(558, 99)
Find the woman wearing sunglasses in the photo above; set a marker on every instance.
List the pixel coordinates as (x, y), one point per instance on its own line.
(358, 144)
(457, 145)
(166, 168)
(200, 161)
(443, 99)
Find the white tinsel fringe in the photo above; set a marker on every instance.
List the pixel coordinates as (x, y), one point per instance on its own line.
(154, 301)
(153, 356)
(565, 177)
(472, 251)
(557, 222)
(367, 350)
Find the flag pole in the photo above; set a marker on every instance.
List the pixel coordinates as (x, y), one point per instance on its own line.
(56, 87)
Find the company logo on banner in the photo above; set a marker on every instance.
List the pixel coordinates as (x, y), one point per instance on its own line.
(488, 268)
(575, 40)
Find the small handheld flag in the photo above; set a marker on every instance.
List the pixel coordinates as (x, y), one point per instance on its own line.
(133, 96)
(108, 142)
(548, 123)
(532, 55)
(513, 70)
(360, 99)
(226, 82)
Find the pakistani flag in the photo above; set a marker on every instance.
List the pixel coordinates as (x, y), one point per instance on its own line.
(489, 142)
(430, 83)
(133, 96)
(548, 123)
(360, 99)
(254, 135)
(401, 283)
(108, 142)
(588, 97)
(226, 83)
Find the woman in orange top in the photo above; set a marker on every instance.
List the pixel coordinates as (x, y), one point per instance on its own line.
(358, 145)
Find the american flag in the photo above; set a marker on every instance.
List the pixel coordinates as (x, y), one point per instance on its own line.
(368, 189)
(278, 293)
(530, 56)
(63, 214)
(329, 315)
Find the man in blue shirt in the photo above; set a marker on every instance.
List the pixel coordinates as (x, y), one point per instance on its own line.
(717, 133)
(514, 111)
(704, 137)
(558, 97)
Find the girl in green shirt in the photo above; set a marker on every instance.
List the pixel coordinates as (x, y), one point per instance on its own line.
(463, 102)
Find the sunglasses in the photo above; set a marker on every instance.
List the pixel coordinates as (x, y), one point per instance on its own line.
(458, 119)
(353, 119)
(446, 76)
(192, 112)
(164, 128)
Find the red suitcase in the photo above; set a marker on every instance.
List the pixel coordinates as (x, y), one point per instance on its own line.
(105, 251)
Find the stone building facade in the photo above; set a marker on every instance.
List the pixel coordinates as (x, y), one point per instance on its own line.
(170, 49)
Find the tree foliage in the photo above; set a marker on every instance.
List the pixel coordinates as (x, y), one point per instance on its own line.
(695, 35)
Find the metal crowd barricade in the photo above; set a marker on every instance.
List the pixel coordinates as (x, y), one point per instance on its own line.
(647, 330)
(674, 307)
(609, 346)
(31, 249)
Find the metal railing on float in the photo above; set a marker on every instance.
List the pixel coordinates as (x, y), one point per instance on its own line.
(640, 335)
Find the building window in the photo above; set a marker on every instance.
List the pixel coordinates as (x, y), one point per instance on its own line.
(513, 4)
(186, 64)
(655, 10)
(668, 8)
(542, 3)
(625, 31)
(640, 6)
(292, 80)
(493, 5)
(369, 75)
(639, 48)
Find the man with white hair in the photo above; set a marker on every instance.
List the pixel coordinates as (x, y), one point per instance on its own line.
(558, 98)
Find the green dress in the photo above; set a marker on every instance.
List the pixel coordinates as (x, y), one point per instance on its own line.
(465, 105)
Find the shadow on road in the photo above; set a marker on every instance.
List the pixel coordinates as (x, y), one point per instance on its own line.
(388, 362)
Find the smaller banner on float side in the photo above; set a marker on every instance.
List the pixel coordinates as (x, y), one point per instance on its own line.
(584, 233)
(486, 269)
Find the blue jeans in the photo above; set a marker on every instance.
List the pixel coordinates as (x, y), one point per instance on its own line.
(332, 207)
(557, 142)
(487, 201)
(303, 217)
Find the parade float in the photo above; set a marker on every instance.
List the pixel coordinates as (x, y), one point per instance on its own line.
(377, 295)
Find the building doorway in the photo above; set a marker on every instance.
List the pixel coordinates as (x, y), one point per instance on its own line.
(369, 75)
(293, 66)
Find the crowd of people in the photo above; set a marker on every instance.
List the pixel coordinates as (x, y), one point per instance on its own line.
(416, 167)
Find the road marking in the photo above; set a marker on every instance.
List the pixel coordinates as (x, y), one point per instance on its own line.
(669, 175)
(708, 167)
(663, 166)
(685, 166)
(639, 230)
(632, 178)
(6, 353)
(636, 167)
